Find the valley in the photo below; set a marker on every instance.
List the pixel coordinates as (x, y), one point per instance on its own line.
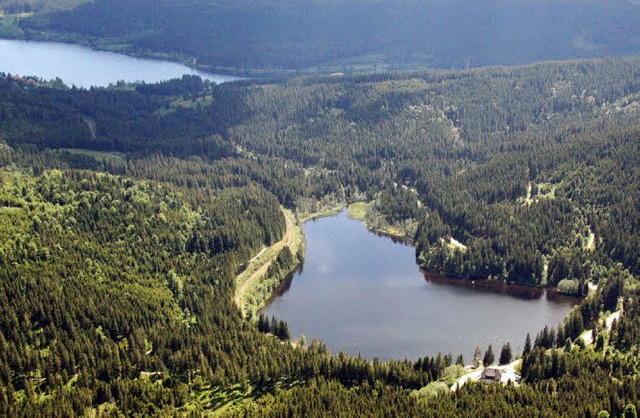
(138, 220)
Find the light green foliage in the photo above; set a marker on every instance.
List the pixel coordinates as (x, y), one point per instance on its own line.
(357, 211)
(432, 390)
(569, 286)
(451, 374)
(120, 284)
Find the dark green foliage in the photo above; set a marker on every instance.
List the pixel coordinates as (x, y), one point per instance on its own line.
(110, 120)
(117, 288)
(505, 354)
(489, 357)
(433, 366)
(278, 328)
(467, 178)
(630, 411)
(188, 85)
(136, 278)
(293, 34)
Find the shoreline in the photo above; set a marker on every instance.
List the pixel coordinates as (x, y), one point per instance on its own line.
(399, 237)
(256, 269)
(481, 288)
(148, 55)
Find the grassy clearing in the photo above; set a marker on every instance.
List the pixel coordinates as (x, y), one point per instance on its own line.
(546, 190)
(185, 103)
(98, 155)
(456, 245)
(357, 211)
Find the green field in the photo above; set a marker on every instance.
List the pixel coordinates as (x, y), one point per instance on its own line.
(357, 211)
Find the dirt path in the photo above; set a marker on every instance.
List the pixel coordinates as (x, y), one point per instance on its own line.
(587, 336)
(259, 264)
(475, 375)
(528, 200)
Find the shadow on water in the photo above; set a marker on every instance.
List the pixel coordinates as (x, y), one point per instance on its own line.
(498, 287)
(362, 294)
(284, 287)
(396, 239)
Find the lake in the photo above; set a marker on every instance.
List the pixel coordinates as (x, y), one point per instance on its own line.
(363, 293)
(84, 67)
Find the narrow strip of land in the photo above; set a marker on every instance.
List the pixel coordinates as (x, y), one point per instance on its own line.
(259, 264)
(528, 200)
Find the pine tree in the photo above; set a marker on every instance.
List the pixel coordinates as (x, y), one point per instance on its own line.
(489, 357)
(505, 354)
(283, 331)
(477, 357)
(527, 345)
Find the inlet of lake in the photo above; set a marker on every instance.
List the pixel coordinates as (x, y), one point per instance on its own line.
(363, 293)
(85, 67)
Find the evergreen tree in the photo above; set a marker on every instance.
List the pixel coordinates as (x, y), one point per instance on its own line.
(505, 354)
(630, 411)
(477, 357)
(527, 345)
(568, 345)
(489, 357)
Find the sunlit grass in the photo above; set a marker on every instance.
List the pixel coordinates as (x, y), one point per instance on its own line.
(357, 211)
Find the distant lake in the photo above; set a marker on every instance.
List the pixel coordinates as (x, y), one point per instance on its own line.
(363, 293)
(84, 67)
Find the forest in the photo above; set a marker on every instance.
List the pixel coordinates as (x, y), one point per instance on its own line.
(128, 211)
(269, 36)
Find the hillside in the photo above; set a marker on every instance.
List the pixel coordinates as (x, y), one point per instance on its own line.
(122, 237)
(326, 36)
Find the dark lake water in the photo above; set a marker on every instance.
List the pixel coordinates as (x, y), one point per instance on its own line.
(364, 294)
(85, 67)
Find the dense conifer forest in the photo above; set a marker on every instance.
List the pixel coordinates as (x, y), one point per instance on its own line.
(127, 213)
(338, 35)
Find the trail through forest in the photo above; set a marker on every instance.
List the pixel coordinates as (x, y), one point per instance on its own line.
(259, 265)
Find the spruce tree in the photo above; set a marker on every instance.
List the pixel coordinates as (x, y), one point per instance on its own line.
(477, 356)
(505, 354)
(489, 357)
(527, 345)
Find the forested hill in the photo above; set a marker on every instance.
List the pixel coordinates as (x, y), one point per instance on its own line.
(343, 35)
(518, 174)
(127, 212)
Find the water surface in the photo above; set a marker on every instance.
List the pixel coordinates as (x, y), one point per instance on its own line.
(364, 294)
(84, 67)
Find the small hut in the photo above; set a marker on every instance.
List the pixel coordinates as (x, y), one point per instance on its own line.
(491, 373)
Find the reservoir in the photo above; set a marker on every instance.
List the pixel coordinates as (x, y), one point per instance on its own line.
(84, 67)
(363, 293)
